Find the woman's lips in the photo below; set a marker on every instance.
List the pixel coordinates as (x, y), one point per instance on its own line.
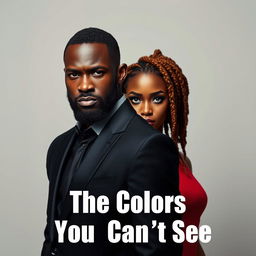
(150, 121)
(86, 101)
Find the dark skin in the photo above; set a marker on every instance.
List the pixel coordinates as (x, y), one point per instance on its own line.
(89, 69)
(148, 96)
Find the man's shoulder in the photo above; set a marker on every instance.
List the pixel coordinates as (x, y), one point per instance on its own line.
(141, 128)
(140, 132)
(58, 146)
(64, 137)
(135, 127)
(127, 120)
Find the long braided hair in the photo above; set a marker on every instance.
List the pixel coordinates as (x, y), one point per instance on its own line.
(177, 86)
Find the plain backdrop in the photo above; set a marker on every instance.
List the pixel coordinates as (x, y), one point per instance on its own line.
(213, 42)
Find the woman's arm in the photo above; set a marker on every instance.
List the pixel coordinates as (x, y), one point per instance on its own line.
(200, 251)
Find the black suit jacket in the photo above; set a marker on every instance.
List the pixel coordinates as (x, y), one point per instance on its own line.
(127, 155)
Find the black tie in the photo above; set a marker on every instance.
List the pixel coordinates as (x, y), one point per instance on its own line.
(84, 140)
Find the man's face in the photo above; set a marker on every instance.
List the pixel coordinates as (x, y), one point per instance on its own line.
(91, 80)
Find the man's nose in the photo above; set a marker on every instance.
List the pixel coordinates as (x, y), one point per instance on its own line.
(146, 109)
(85, 84)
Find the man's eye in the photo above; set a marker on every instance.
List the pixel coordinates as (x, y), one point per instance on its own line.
(134, 100)
(158, 100)
(73, 75)
(98, 73)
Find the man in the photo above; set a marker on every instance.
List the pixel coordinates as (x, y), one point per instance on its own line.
(109, 150)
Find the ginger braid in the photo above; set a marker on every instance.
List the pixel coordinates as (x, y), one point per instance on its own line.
(171, 93)
(177, 87)
(180, 83)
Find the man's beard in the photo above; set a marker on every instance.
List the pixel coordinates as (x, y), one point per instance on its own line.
(86, 116)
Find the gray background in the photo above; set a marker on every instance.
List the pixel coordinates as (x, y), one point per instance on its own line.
(213, 42)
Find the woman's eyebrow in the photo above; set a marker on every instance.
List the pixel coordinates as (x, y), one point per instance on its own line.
(134, 93)
(158, 92)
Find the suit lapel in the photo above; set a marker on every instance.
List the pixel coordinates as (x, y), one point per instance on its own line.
(93, 159)
(97, 152)
(88, 168)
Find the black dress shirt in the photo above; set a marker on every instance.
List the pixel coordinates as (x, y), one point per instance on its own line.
(81, 144)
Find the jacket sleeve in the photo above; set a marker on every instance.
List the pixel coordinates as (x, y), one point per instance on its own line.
(46, 249)
(155, 169)
(54, 156)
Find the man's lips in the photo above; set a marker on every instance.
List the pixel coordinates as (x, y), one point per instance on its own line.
(86, 101)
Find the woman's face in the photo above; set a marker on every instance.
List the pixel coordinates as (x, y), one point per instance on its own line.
(148, 95)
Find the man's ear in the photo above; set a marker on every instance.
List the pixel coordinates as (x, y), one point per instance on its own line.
(122, 73)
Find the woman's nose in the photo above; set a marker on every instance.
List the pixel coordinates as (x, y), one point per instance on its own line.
(146, 109)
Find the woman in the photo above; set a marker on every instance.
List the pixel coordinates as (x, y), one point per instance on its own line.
(158, 91)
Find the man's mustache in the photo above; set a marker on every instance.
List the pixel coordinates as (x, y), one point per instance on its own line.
(87, 94)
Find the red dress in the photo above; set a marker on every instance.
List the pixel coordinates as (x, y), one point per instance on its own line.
(196, 200)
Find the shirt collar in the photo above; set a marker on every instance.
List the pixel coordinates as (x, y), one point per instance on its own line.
(99, 125)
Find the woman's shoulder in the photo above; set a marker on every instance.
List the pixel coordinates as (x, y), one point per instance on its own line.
(185, 160)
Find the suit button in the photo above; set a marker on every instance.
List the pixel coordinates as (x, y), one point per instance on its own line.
(54, 251)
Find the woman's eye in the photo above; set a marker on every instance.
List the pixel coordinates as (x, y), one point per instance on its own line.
(134, 100)
(158, 100)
